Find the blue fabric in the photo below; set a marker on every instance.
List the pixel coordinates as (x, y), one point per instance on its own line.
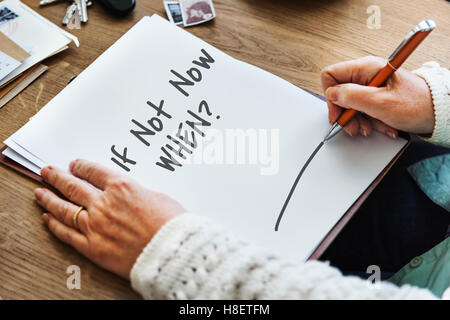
(430, 270)
(395, 224)
(433, 177)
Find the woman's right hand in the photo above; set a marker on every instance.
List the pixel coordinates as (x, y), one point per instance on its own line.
(404, 103)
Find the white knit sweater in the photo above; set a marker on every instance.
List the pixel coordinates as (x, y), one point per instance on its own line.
(192, 258)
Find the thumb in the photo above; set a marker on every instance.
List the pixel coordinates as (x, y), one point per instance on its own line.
(354, 96)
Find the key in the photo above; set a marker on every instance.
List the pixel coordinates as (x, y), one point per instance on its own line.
(46, 2)
(84, 15)
(82, 10)
(71, 10)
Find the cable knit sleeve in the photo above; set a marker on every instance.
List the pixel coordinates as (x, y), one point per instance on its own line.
(438, 80)
(192, 258)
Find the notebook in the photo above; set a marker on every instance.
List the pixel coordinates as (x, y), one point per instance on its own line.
(224, 138)
(26, 38)
(11, 55)
(37, 35)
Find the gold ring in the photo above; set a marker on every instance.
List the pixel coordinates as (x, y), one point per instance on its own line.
(75, 217)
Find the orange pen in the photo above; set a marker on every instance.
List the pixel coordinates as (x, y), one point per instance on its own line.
(403, 51)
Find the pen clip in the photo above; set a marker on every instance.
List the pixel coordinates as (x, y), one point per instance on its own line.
(423, 26)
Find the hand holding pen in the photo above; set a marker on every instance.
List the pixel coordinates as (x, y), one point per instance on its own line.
(404, 103)
(391, 98)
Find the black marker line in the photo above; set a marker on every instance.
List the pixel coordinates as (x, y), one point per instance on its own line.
(295, 185)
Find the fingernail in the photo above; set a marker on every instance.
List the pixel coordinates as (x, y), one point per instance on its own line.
(71, 165)
(348, 131)
(364, 132)
(38, 193)
(45, 171)
(392, 134)
(331, 94)
(45, 217)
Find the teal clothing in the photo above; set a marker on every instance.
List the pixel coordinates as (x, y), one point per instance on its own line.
(430, 270)
(433, 177)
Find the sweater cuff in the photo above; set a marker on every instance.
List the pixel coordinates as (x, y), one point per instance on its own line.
(146, 275)
(438, 80)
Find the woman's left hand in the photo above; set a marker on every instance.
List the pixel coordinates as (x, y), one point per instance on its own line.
(118, 219)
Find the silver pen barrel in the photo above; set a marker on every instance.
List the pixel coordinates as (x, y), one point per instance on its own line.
(334, 130)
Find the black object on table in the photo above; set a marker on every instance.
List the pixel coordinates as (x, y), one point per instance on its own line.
(119, 7)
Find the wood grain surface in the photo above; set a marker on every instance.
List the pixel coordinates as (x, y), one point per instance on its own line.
(292, 39)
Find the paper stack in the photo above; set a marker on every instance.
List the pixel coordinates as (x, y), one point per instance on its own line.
(26, 38)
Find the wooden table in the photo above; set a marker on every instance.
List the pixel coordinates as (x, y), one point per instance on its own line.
(293, 39)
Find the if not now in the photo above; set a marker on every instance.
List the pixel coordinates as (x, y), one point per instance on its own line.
(196, 76)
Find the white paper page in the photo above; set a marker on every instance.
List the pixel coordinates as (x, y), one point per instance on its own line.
(115, 90)
(8, 152)
(39, 34)
(7, 64)
(25, 153)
